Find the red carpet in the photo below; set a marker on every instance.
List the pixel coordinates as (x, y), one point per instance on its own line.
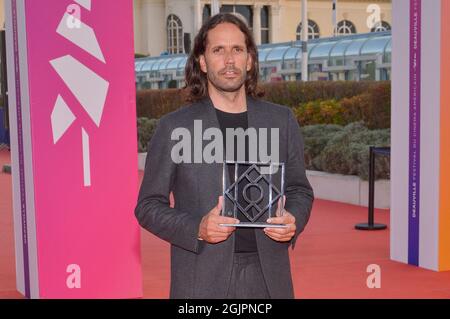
(329, 261)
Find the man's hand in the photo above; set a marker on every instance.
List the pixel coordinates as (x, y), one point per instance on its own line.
(281, 234)
(210, 230)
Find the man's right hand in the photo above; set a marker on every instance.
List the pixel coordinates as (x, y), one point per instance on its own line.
(210, 229)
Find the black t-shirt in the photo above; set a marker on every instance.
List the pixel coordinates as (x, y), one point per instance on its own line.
(245, 240)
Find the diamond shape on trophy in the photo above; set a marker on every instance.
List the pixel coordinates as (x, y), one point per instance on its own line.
(253, 191)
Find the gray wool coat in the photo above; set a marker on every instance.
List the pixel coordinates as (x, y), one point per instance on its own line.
(199, 269)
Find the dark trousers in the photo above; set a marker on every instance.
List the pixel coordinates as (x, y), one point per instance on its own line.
(247, 280)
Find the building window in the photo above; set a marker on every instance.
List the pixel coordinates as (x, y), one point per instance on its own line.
(313, 30)
(174, 34)
(381, 27)
(265, 24)
(345, 27)
(244, 12)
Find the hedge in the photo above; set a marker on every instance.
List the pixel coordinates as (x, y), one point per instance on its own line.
(155, 103)
(344, 101)
(295, 93)
(373, 109)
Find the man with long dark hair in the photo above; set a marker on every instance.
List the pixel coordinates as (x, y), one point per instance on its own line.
(209, 260)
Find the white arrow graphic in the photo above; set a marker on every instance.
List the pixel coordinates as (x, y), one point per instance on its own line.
(86, 85)
(85, 3)
(82, 36)
(62, 118)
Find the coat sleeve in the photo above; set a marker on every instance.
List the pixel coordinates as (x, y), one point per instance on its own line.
(153, 209)
(298, 191)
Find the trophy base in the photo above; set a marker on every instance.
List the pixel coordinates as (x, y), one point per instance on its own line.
(255, 225)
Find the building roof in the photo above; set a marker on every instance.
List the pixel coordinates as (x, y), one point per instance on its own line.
(341, 47)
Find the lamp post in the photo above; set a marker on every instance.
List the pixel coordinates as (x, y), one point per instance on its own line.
(334, 17)
(304, 39)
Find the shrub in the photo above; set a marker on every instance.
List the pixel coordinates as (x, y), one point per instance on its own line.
(146, 129)
(347, 151)
(319, 112)
(379, 114)
(316, 137)
(373, 107)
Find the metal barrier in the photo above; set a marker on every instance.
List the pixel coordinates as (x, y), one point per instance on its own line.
(371, 225)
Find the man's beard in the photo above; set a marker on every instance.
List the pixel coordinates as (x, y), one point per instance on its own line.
(228, 85)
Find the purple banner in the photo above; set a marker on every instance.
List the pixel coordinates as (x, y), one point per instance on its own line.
(414, 131)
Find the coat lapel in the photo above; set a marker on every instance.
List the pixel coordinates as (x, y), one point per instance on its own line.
(208, 113)
(205, 111)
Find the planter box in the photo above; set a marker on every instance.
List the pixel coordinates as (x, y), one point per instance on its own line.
(348, 189)
(336, 187)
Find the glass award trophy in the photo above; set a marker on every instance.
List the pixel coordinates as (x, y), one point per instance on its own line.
(253, 192)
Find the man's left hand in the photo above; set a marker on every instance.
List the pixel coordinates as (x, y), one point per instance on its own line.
(282, 234)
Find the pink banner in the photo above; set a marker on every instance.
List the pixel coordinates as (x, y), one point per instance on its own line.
(84, 150)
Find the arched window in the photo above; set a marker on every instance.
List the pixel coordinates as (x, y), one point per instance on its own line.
(313, 30)
(381, 26)
(174, 34)
(345, 27)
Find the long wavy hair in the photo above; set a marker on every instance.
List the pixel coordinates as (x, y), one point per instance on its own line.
(196, 79)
